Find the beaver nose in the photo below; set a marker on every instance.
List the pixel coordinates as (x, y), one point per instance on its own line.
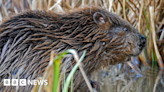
(143, 40)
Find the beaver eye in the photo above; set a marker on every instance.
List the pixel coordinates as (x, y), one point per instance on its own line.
(126, 29)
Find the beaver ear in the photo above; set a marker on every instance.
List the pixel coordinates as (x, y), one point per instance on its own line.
(99, 18)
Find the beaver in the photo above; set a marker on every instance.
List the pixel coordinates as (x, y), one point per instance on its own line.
(28, 38)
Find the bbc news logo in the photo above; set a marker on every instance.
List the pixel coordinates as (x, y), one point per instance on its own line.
(23, 82)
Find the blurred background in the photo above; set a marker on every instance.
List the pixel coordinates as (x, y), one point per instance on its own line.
(147, 16)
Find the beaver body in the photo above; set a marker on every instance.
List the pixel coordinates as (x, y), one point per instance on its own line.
(28, 38)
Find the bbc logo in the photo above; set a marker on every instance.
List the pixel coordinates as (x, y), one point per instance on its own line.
(14, 82)
(23, 82)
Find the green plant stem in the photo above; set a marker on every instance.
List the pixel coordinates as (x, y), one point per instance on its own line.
(66, 85)
(57, 71)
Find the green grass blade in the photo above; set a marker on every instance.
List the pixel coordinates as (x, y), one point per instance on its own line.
(57, 71)
(66, 85)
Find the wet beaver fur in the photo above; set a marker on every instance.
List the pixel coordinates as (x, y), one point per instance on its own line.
(27, 39)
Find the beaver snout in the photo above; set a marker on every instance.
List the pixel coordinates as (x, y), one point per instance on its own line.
(142, 42)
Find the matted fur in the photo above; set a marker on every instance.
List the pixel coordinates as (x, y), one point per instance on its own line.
(28, 38)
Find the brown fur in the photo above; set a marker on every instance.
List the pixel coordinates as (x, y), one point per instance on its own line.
(28, 38)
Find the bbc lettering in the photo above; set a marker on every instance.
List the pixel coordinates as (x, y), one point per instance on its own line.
(6, 82)
(23, 82)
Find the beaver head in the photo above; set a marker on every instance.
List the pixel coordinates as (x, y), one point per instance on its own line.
(120, 41)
